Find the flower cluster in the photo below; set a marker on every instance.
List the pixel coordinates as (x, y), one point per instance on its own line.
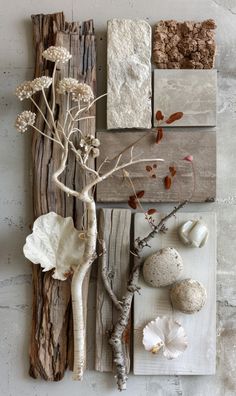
(82, 92)
(57, 54)
(28, 88)
(67, 85)
(25, 119)
(89, 145)
(25, 90)
(41, 83)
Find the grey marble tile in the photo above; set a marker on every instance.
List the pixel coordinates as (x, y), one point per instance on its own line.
(192, 92)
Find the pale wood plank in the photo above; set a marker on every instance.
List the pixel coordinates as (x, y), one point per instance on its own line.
(174, 146)
(199, 264)
(114, 228)
(52, 339)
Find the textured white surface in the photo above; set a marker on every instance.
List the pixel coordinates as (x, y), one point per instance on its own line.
(193, 92)
(200, 265)
(128, 74)
(16, 63)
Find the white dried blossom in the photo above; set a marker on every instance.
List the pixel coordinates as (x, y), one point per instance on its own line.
(57, 54)
(95, 152)
(41, 83)
(25, 119)
(83, 92)
(25, 90)
(95, 142)
(67, 84)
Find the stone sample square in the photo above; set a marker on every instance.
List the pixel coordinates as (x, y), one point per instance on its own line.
(184, 45)
(128, 74)
(192, 92)
(200, 264)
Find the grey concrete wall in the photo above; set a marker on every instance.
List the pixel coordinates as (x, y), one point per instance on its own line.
(16, 64)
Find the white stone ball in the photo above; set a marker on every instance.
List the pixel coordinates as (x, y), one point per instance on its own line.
(188, 296)
(163, 267)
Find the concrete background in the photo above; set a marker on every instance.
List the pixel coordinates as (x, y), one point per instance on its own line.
(16, 64)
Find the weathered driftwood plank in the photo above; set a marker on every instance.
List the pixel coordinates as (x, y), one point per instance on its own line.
(51, 346)
(195, 181)
(114, 229)
(200, 264)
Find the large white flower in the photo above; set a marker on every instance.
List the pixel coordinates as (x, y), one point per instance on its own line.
(57, 54)
(25, 119)
(82, 92)
(25, 90)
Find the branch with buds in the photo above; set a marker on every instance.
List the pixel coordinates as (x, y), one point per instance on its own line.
(62, 133)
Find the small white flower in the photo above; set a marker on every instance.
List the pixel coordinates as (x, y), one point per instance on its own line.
(95, 152)
(57, 54)
(82, 92)
(40, 83)
(25, 119)
(67, 85)
(25, 90)
(95, 142)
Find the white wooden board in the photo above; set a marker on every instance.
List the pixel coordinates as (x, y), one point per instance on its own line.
(200, 264)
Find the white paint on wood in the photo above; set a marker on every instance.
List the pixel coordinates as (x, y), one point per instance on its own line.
(199, 264)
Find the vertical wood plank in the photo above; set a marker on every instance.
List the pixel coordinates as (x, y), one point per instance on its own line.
(114, 229)
(51, 348)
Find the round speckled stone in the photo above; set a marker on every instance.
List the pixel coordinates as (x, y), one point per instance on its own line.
(163, 267)
(188, 296)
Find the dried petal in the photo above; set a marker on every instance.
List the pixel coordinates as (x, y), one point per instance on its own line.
(159, 135)
(167, 182)
(132, 204)
(159, 115)
(140, 194)
(155, 166)
(151, 211)
(174, 117)
(172, 170)
(188, 158)
(148, 168)
(154, 176)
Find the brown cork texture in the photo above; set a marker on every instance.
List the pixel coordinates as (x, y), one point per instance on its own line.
(184, 45)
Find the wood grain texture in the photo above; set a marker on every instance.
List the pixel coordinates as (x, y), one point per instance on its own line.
(200, 264)
(51, 339)
(193, 181)
(114, 228)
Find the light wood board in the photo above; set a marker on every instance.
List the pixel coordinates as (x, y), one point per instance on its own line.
(194, 181)
(199, 264)
(114, 229)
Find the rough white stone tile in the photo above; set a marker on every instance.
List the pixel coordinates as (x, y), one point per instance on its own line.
(128, 74)
(192, 92)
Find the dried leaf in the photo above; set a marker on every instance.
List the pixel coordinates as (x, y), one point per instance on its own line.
(132, 204)
(174, 117)
(172, 170)
(159, 135)
(167, 182)
(188, 158)
(148, 168)
(151, 211)
(159, 115)
(140, 194)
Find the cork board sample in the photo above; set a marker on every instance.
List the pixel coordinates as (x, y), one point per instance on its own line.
(184, 45)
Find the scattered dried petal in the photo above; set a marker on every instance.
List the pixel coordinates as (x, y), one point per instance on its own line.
(155, 166)
(151, 211)
(159, 115)
(140, 194)
(167, 182)
(159, 135)
(188, 158)
(132, 204)
(172, 170)
(174, 117)
(154, 176)
(148, 168)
